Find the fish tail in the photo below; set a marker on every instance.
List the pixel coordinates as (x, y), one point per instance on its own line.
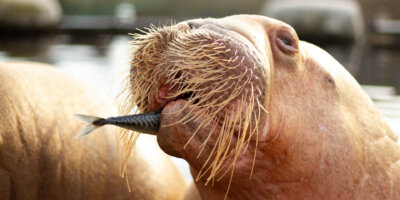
(90, 127)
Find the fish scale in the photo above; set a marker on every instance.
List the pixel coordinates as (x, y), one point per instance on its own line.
(144, 123)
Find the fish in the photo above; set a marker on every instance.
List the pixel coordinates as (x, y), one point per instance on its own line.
(144, 123)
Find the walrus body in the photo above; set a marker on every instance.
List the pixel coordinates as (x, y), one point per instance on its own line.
(40, 158)
(317, 135)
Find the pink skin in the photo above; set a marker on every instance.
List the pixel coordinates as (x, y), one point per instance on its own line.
(160, 97)
(322, 137)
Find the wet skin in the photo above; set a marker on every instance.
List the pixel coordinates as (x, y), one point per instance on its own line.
(321, 137)
(40, 158)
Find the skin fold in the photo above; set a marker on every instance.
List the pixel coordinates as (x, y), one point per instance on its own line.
(321, 137)
(40, 158)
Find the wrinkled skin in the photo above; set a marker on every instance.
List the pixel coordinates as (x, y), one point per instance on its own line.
(40, 157)
(322, 137)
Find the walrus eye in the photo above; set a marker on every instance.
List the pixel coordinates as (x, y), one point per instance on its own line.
(286, 42)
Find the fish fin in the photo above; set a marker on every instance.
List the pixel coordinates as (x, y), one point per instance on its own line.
(87, 118)
(90, 127)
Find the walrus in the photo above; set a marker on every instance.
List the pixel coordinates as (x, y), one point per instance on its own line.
(40, 158)
(259, 114)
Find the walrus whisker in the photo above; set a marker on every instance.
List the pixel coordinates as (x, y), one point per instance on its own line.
(203, 123)
(186, 118)
(206, 168)
(237, 117)
(226, 143)
(231, 166)
(210, 167)
(218, 141)
(128, 147)
(252, 99)
(225, 166)
(203, 145)
(198, 59)
(230, 179)
(238, 146)
(224, 146)
(256, 143)
(228, 138)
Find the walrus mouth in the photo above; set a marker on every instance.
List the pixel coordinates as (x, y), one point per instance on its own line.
(209, 69)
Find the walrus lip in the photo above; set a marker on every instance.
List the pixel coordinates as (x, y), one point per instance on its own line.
(164, 95)
(163, 99)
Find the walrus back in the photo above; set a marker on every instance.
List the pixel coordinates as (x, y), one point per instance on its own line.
(40, 157)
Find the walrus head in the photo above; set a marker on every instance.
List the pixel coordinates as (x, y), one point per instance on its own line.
(241, 96)
(205, 73)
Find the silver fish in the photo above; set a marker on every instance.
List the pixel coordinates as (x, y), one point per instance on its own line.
(144, 123)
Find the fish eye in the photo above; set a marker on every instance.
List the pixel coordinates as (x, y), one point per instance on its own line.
(286, 42)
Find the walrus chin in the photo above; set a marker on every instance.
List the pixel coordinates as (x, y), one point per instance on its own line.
(204, 77)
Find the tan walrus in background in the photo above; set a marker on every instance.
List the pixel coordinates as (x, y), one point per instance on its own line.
(259, 114)
(40, 158)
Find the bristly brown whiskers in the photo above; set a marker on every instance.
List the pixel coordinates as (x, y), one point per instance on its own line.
(212, 72)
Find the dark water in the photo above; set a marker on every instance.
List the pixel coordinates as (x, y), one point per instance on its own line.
(381, 66)
(100, 53)
(94, 58)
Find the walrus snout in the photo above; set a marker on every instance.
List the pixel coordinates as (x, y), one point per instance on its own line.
(173, 136)
(212, 79)
(254, 102)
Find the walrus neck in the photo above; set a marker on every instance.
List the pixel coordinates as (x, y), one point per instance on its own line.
(247, 191)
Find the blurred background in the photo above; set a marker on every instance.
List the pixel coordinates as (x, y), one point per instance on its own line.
(89, 38)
